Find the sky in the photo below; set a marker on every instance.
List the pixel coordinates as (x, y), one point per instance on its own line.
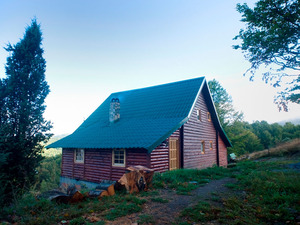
(97, 47)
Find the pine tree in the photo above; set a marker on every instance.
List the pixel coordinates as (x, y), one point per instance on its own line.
(23, 129)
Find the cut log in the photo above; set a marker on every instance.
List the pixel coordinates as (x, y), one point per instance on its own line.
(65, 199)
(103, 193)
(148, 178)
(111, 190)
(55, 195)
(137, 178)
(77, 197)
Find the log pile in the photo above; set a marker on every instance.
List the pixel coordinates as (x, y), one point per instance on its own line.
(72, 193)
(103, 189)
(137, 178)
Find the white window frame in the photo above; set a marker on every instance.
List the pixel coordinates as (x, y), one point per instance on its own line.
(114, 156)
(81, 160)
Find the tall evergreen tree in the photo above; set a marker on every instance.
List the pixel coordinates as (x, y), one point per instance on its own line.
(23, 129)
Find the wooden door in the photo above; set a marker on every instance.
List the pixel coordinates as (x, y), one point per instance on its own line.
(173, 154)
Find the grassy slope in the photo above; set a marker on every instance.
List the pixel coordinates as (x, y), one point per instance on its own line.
(290, 147)
(270, 194)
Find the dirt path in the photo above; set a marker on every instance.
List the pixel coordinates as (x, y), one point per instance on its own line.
(166, 213)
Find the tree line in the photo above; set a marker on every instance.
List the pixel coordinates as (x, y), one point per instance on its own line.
(246, 137)
(260, 135)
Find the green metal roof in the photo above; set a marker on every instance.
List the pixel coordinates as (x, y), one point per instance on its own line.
(147, 117)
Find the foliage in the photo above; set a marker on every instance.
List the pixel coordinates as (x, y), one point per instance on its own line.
(245, 137)
(224, 104)
(273, 134)
(272, 37)
(248, 138)
(52, 152)
(23, 128)
(48, 173)
(242, 138)
(29, 210)
(271, 196)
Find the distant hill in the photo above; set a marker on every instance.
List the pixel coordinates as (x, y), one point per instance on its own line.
(53, 151)
(293, 121)
(56, 138)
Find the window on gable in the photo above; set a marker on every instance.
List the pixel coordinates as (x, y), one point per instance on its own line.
(202, 147)
(199, 114)
(210, 145)
(118, 157)
(79, 155)
(208, 116)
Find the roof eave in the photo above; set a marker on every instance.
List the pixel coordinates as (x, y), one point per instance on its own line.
(164, 137)
(218, 123)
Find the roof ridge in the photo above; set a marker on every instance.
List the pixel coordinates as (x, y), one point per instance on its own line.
(159, 85)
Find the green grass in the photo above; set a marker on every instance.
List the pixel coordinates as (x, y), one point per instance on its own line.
(148, 193)
(271, 196)
(146, 219)
(29, 210)
(123, 206)
(265, 193)
(160, 200)
(186, 180)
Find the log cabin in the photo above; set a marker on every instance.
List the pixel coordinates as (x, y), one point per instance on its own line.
(163, 127)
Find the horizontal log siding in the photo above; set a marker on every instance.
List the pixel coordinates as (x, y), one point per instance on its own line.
(97, 164)
(160, 155)
(67, 163)
(222, 153)
(133, 157)
(194, 132)
(137, 157)
(78, 170)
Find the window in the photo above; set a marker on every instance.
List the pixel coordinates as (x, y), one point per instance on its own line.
(79, 155)
(202, 147)
(199, 114)
(208, 116)
(118, 157)
(210, 145)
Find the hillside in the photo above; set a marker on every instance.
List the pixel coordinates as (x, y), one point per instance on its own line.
(293, 121)
(249, 193)
(51, 152)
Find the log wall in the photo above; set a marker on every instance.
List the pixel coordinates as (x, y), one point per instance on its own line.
(194, 132)
(223, 161)
(98, 166)
(159, 157)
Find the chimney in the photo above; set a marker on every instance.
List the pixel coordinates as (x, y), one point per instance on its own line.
(114, 110)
